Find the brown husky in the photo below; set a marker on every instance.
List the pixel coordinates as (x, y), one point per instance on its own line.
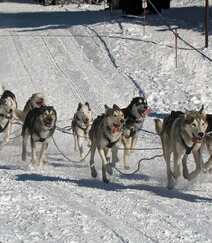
(182, 134)
(105, 132)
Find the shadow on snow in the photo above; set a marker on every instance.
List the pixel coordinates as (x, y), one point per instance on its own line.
(91, 183)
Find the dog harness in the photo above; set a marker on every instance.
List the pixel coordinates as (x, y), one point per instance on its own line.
(77, 124)
(51, 131)
(133, 125)
(110, 143)
(188, 149)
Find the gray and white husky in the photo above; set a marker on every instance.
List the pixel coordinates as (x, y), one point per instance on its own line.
(37, 100)
(134, 115)
(8, 106)
(39, 125)
(81, 125)
(181, 134)
(105, 132)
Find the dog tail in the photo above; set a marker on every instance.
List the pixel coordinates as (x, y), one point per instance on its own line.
(20, 115)
(158, 126)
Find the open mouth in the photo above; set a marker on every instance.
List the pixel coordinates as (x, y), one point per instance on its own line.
(40, 103)
(116, 128)
(48, 124)
(197, 139)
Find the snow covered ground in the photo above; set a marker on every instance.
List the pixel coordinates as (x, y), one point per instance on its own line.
(85, 54)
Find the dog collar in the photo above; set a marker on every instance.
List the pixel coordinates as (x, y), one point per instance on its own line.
(188, 149)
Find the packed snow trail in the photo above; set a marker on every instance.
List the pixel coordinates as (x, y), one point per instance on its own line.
(67, 55)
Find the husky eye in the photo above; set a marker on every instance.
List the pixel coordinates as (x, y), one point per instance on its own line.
(194, 125)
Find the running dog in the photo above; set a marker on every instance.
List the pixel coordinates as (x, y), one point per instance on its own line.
(134, 115)
(81, 125)
(181, 134)
(37, 100)
(40, 124)
(8, 106)
(105, 132)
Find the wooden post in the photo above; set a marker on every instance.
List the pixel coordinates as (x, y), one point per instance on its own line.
(206, 23)
(144, 6)
(176, 46)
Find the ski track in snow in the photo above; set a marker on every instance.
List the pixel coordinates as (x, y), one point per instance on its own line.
(61, 202)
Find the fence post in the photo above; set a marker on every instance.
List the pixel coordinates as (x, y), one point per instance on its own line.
(176, 45)
(144, 6)
(206, 23)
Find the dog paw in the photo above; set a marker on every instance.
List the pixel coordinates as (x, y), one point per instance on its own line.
(93, 172)
(109, 169)
(105, 180)
(23, 157)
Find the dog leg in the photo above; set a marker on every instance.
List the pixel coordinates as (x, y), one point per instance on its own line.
(108, 165)
(115, 158)
(43, 154)
(208, 164)
(127, 145)
(80, 145)
(7, 133)
(104, 162)
(75, 142)
(34, 155)
(92, 166)
(24, 145)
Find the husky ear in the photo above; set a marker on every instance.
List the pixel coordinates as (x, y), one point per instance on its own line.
(79, 106)
(201, 109)
(188, 118)
(106, 108)
(88, 105)
(115, 107)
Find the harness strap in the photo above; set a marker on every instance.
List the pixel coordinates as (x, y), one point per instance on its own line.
(44, 139)
(110, 144)
(77, 124)
(188, 149)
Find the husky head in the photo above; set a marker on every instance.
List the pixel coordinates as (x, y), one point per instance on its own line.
(47, 117)
(84, 115)
(114, 118)
(138, 107)
(195, 124)
(37, 100)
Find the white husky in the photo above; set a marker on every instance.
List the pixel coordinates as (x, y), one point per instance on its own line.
(81, 125)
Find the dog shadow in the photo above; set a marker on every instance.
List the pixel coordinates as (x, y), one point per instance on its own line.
(92, 183)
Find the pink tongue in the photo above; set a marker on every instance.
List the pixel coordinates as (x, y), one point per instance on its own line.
(115, 129)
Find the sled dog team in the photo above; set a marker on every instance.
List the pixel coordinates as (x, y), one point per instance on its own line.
(180, 133)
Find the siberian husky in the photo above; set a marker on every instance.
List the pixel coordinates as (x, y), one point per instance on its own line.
(8, 106)
(39, 125)
(81, 125)
(134, 115)
(105, 132)
(181, 134)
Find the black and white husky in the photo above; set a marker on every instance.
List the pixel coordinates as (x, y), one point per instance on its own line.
(8, 106)
(81, 125)
(39, 125)
(134, 115)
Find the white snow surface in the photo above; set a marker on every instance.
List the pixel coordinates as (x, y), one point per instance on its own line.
(86, 54)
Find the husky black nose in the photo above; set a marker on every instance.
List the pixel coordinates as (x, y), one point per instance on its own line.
(122, 120)
(200, 134)
(10, 110)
